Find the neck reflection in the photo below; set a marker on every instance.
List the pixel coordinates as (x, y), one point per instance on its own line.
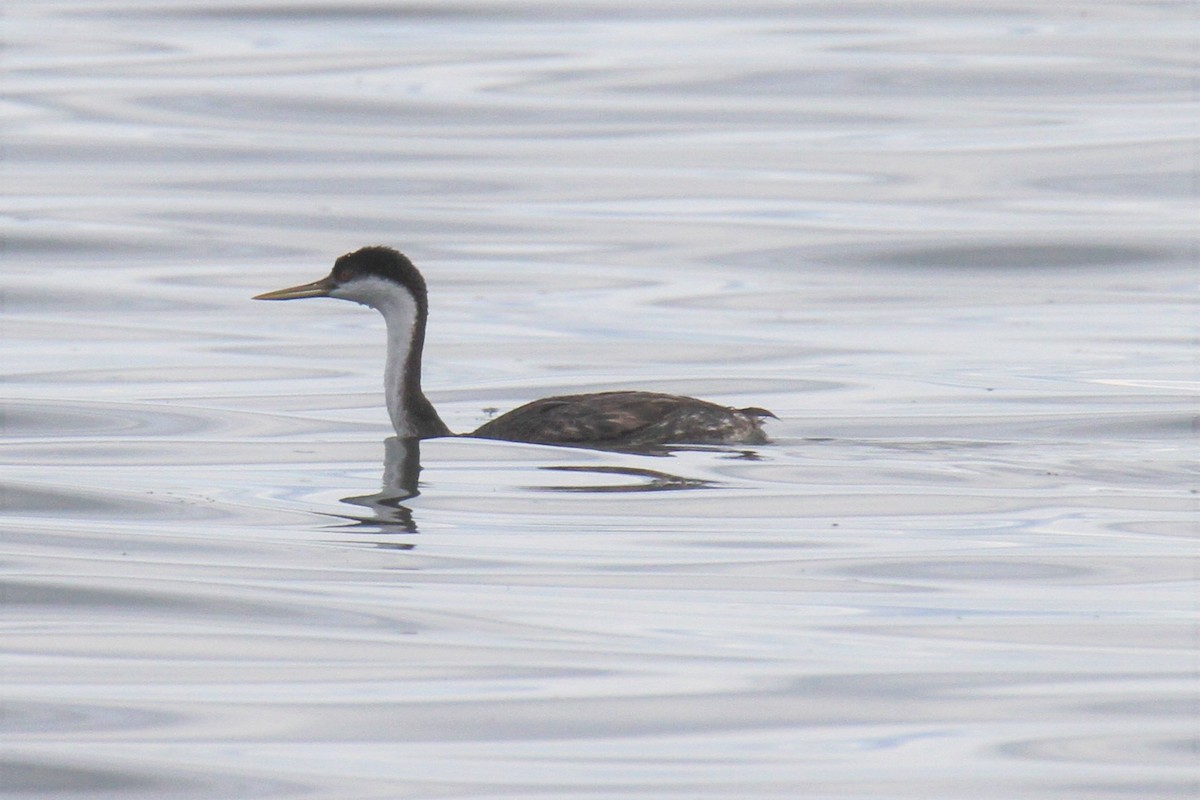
(401, 471)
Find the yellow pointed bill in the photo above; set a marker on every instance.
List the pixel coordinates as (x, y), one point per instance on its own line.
(320, 288)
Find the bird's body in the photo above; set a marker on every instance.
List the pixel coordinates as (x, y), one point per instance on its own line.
(627, 418)
(385, 280)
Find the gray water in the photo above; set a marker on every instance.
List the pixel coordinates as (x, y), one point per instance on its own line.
(951, 245)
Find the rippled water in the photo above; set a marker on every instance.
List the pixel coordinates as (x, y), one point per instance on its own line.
(951, 245)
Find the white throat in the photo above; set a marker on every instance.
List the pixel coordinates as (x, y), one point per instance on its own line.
(399, 310)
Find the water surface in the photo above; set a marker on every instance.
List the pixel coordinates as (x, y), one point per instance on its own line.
(951, 246)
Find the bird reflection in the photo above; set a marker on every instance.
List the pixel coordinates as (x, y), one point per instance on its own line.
(645, 480)
(401, 469)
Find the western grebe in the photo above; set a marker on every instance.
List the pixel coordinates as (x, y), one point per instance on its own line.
(387, 281)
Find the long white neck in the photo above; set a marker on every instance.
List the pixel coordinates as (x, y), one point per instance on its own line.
(401, 328)
(411, 412)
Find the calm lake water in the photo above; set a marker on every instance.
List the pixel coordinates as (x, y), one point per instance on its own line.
(951, 245)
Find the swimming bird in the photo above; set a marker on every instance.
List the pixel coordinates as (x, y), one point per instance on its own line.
(384, 279)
